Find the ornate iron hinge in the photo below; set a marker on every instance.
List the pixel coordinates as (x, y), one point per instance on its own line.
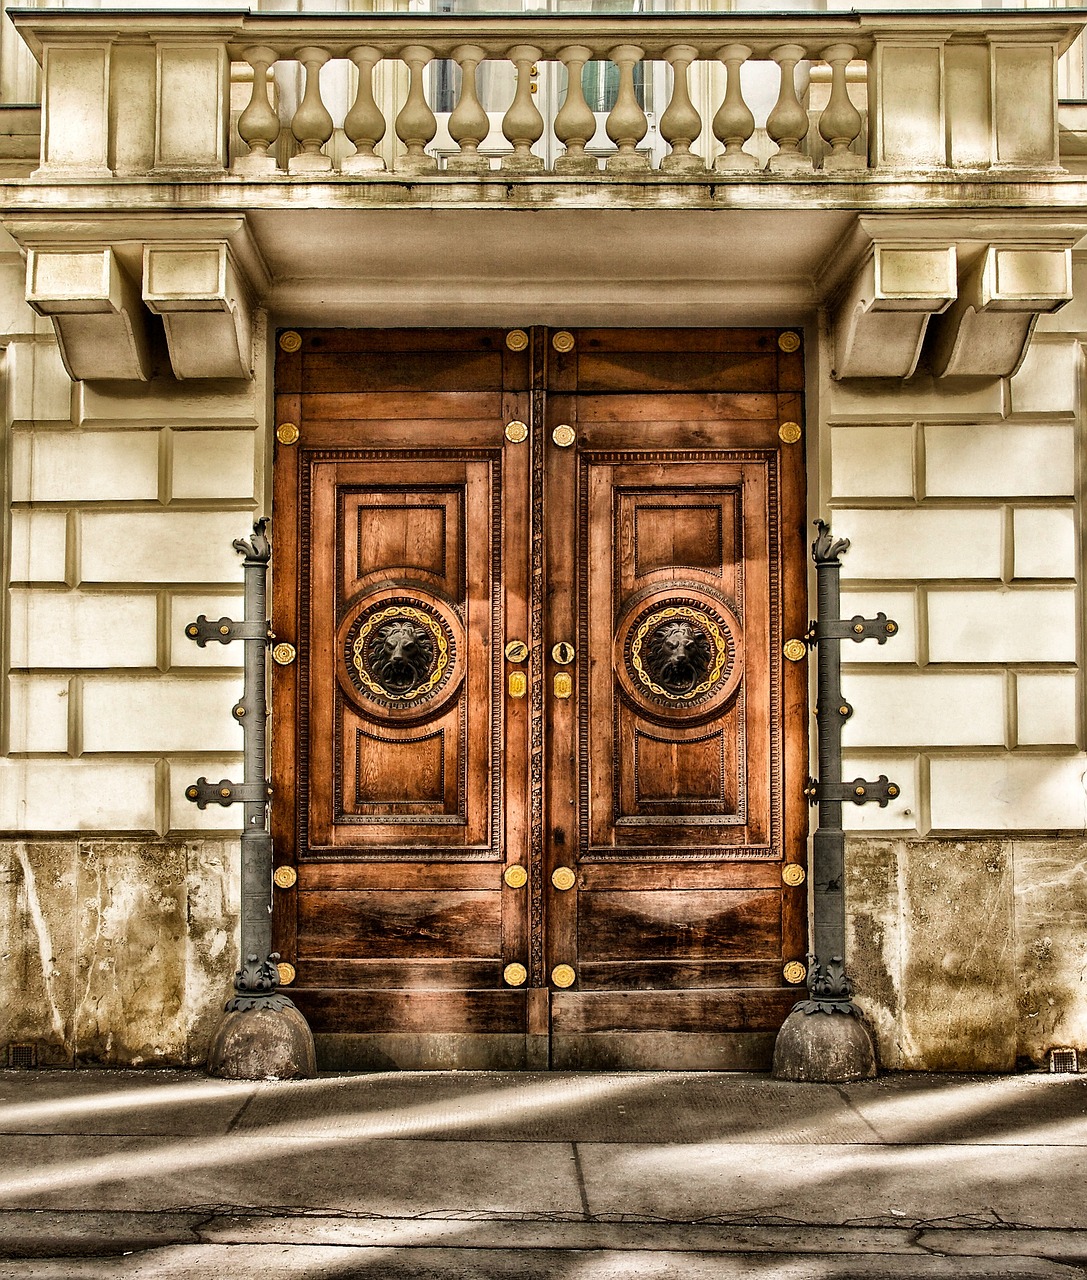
(202, 792)
(860, 791)
(225, 630)
(856, 628)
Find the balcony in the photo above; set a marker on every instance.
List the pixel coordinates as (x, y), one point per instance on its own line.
(887, 169)
(739, 100)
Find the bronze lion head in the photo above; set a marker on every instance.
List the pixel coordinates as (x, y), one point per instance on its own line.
(399, 655)
(677, 656)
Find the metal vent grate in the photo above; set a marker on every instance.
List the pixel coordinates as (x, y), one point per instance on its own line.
(1063, 1061)
(22, 1055)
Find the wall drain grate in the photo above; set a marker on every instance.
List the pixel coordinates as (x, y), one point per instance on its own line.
(1064, 1062)
(24, 1056)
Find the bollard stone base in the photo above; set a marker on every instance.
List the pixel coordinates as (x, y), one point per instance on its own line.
(824, 1048)
(262, 1044)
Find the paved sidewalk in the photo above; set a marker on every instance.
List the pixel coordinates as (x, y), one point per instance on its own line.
(557, 1176)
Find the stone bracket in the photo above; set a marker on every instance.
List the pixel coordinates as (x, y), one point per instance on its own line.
(202, 792)
(860, 791)
(880, 320)
(225, 630)
(205, 307)
(856, 628)
(985, 332)
(95, 308)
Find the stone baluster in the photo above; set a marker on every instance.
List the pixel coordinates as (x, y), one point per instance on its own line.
(681, 123)
(258, 124)
(468, 123)
(522, 124)
(787, 124)
(840, 123)
(364, 124)
(734, 123)
(575, 123)
(416, 125)
(626, 124)
(312, 125)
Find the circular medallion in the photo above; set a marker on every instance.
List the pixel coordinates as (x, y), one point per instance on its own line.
(794, 972)
(400, 656)
(517, 339)
(287, 433)
(516, 432)
(563, 341)
(792, 873)
(285, 877)
(562, 975)
(794, 650)
(678, 653)
(286, 973)
(515, 975)
(516, 651)
(290, 341)
(563, 878)
(516, 877)
(789, 432)
(563, 435)
(283, 654)
(789, 342)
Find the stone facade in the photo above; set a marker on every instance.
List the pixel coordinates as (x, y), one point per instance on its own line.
(962, 498)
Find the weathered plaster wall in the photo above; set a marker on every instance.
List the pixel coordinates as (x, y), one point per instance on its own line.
(117, 951)
(969, 954)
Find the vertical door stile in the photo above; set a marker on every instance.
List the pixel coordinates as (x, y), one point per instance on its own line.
(563, 701)
(537, 579)
(516, 617)
(286, 562)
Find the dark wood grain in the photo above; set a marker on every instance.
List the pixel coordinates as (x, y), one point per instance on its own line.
(678, 924)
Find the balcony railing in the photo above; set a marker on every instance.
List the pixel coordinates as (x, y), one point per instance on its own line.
(850, 95)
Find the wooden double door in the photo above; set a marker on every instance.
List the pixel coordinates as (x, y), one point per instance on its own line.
(539, 763)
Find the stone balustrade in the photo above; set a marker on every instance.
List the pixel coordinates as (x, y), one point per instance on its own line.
(941, 91)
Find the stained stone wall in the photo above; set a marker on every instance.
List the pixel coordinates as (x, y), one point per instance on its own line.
(967, 896)
(118, 950)
(117, 896)
(970, 954)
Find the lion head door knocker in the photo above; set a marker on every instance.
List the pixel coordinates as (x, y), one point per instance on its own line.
(677, 656)
(400, 656)
(678, 653)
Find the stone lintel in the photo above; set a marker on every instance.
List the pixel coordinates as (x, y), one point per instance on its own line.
(1001, 295)
(205, 307)
(880, 320)
(95, 308)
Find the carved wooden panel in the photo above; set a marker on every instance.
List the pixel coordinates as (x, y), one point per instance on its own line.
(679, 713)
(405, 707)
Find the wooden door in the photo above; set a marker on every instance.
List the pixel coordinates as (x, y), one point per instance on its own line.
(540, 761)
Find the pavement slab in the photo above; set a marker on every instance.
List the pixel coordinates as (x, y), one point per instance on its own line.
(286, 1262)
(557, 1175)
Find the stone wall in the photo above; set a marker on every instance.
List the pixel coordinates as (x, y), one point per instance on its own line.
(118, 894)
(968, 895)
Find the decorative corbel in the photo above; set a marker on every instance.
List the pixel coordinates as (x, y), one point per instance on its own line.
(880, 319)
(95, 309)
(1001, 295)
(205, 305)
